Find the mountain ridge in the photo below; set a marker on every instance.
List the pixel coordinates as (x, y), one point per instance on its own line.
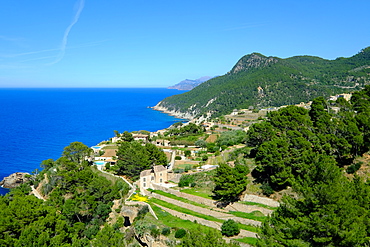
(189, 84)
(260, 81)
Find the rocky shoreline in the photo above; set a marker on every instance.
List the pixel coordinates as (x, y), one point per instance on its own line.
(15, 179)
(176, 114)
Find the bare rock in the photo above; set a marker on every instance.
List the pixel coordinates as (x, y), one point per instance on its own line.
(15, 179)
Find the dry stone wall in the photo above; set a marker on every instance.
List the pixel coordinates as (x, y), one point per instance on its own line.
(206, 211)
(211, 203)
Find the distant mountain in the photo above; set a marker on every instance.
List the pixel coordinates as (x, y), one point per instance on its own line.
(260, 81)
(189, 84)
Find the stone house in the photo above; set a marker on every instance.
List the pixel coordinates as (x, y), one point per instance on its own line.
(161, 142)
(141, 137)
(157, 175)
(109, 155)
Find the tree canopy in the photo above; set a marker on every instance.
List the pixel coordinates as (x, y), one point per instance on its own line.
(133, 157)
(230, 182)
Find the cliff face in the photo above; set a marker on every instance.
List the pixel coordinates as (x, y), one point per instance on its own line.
(15, 179)
(178, 114)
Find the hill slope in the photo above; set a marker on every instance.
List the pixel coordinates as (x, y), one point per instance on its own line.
(260, 81)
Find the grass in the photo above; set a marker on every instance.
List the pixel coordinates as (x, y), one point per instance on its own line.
(196, 192)
(249, 228)
(247, 240)
(259, 205)
(172, 221)
(185, 210)
(181, 199)
(255, 215)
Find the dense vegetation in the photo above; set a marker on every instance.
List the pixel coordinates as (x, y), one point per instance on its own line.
(133, 157)
(230, 182)
(78, 202)
(293, 139)
(308, 150)
(260, 81)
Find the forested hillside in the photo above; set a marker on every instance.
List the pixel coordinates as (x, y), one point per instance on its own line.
(315, 153)
(260, 81)
(77, 204)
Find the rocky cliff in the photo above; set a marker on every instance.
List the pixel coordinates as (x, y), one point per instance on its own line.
(15, 179)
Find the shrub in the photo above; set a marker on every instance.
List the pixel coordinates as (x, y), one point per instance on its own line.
(154, 231)
(205, 157)
(186, 180)
(178, 158)
(142, 212)
(354, 168)
(166, 231)
(180, 233)
(187, 168)
(230, 228)
(266, 189)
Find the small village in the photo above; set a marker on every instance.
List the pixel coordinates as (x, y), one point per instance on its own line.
(160, 185)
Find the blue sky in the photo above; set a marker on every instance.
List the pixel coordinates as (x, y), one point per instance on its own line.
(146, 43)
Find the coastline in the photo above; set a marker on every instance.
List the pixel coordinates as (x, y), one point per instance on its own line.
(95, 114)
(175, 114)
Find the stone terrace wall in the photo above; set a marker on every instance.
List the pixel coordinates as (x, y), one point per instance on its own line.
(211, 203)
(196, 199)
(263, 200)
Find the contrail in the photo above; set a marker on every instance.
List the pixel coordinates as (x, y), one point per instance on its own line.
(63, 46)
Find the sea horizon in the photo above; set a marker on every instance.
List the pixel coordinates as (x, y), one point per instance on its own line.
(37, 123)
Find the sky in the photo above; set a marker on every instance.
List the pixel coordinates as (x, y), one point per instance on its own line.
(147, 43)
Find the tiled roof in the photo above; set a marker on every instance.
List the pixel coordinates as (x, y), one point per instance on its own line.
(145, 173)
(159, 168)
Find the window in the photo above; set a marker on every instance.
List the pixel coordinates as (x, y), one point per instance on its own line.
(160, 180)
(144, 179)
(144, 184)
(160, 174)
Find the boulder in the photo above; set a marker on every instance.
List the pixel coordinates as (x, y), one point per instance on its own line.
(15, 179)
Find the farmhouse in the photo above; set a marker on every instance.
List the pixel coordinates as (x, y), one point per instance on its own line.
(158, 174)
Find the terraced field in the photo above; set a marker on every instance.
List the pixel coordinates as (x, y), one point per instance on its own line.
(204, 211)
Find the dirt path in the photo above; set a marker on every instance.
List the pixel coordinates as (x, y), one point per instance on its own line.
(36, 193)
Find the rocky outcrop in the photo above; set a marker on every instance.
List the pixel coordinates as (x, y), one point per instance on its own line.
(254, 60)
(15, 179)
(185, 115)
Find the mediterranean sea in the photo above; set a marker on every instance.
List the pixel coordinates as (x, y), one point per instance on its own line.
(36, 124)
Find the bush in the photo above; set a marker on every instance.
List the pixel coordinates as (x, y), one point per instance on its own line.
(142, 212)
(230, 228)
(186, 180)
(267, 189)
(205, 157)
(166, 231)
(180, 233)
(354, 168)
(154, 231)
(178, 158)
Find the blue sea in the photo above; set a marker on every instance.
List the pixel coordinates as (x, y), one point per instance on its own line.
(36, 124)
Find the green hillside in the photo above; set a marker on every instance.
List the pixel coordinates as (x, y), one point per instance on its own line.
(260, 81)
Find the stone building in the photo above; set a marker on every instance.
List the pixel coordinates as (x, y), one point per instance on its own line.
(158, 174)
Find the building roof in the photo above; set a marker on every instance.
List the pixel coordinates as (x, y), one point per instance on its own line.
(145, 173)
(109, 153)
(140, 135)
(159, 168)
